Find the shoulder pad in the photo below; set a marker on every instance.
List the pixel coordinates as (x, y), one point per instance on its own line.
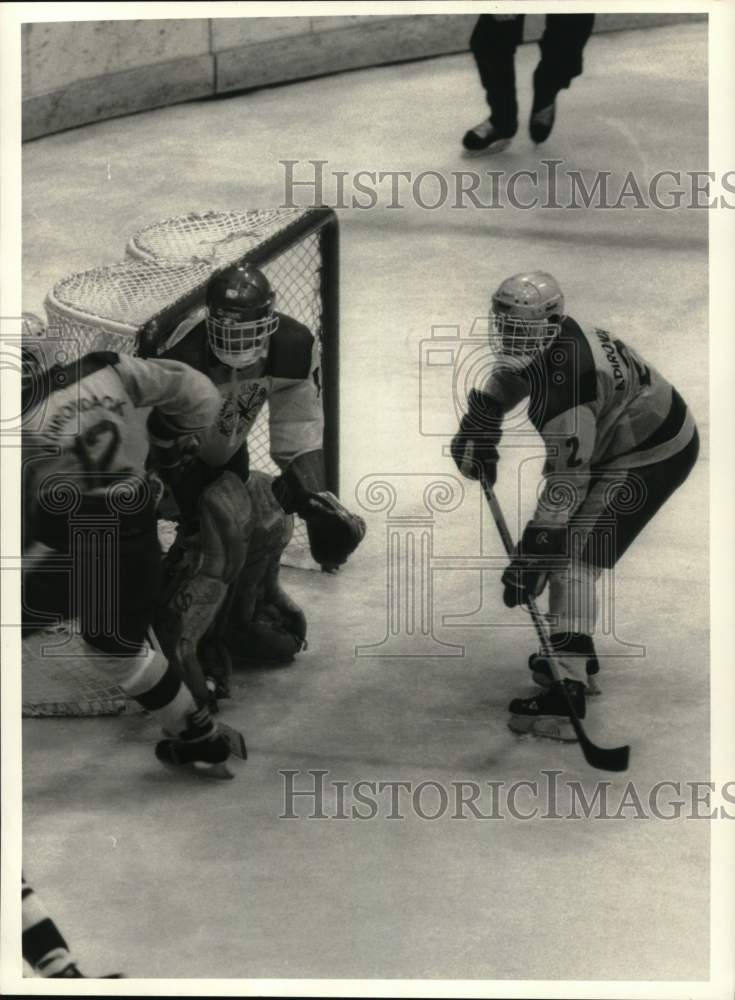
(193, 349)
(62, 376)
(290, 350)
(563, 377)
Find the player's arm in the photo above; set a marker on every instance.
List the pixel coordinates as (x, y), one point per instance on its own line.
(569, 438)
(297, 432)
(474, 447)
(185, 402)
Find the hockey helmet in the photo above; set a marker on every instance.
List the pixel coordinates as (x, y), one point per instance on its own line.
(527, 312)
(240, 317)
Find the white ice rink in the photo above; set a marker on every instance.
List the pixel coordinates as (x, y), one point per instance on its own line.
(162, 877)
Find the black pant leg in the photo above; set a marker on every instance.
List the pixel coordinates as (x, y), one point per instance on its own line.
(493, 43)
(635, 496)
(46, 593)
(561, 44)
(117, 604)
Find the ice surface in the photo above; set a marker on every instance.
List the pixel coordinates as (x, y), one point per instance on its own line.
(163, 877)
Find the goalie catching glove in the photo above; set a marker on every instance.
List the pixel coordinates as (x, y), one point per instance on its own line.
(474, 446)
(334, 533)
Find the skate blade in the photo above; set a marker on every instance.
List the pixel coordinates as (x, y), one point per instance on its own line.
(550, 727)
(497, 147)
(220, 772)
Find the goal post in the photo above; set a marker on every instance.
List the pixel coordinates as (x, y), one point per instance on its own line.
(284, 256)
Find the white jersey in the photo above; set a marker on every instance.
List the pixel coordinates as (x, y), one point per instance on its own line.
(86, 428)
(288, 379)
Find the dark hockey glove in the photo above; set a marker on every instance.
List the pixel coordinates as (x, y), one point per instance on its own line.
(169, 448)
(540, 550)
(334, 533)
(474, 446)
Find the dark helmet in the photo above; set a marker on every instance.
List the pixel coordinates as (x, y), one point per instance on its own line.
(240, 316)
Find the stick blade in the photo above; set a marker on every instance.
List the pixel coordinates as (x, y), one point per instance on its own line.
(606, 758)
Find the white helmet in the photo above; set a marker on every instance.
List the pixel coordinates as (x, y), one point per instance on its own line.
(527, 312)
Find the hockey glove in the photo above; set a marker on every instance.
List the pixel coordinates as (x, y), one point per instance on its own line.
(539, 552)
(473, 447)
(334, 533)
(169, 448)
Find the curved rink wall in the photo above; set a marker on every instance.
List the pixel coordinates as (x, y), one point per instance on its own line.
(78, 72)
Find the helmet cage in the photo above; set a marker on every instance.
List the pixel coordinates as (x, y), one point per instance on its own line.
(521, 337)
(237, 341)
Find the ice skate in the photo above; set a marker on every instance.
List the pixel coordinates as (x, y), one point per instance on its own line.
(547, 714)
(542, 122)
(541, 671)
(483, 139)
(202, 747)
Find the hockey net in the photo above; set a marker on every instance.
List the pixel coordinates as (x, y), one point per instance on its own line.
(141, 306)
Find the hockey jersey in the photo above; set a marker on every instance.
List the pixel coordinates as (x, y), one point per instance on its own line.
(85, 425)
(288, 378)
(598, 406)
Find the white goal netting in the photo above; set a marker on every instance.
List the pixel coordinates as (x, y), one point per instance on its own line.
(134, 306)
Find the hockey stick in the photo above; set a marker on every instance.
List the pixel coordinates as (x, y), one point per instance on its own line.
(603, 758)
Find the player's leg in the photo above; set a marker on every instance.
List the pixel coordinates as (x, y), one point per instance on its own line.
(493, 43)
(617, 507)
(115, 605)
(44, 946)
(562, 45)
(632, 497)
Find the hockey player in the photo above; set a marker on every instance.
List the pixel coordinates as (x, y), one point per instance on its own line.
(234, 526)
(619, 441)
(87, 425)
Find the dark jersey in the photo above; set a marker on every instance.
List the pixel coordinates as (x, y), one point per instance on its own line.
(598, 405)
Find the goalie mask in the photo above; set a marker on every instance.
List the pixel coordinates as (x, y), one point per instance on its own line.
(240, 318)
(527, 312)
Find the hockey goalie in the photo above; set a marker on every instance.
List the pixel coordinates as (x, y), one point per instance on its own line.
(223, 570)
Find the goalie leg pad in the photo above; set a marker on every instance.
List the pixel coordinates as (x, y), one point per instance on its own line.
(270, 532)
(226, 516)
(271, 627)
(202, 577)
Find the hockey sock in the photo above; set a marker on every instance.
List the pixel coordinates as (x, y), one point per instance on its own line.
(156, 685)
(44, 947)
(573, 598)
